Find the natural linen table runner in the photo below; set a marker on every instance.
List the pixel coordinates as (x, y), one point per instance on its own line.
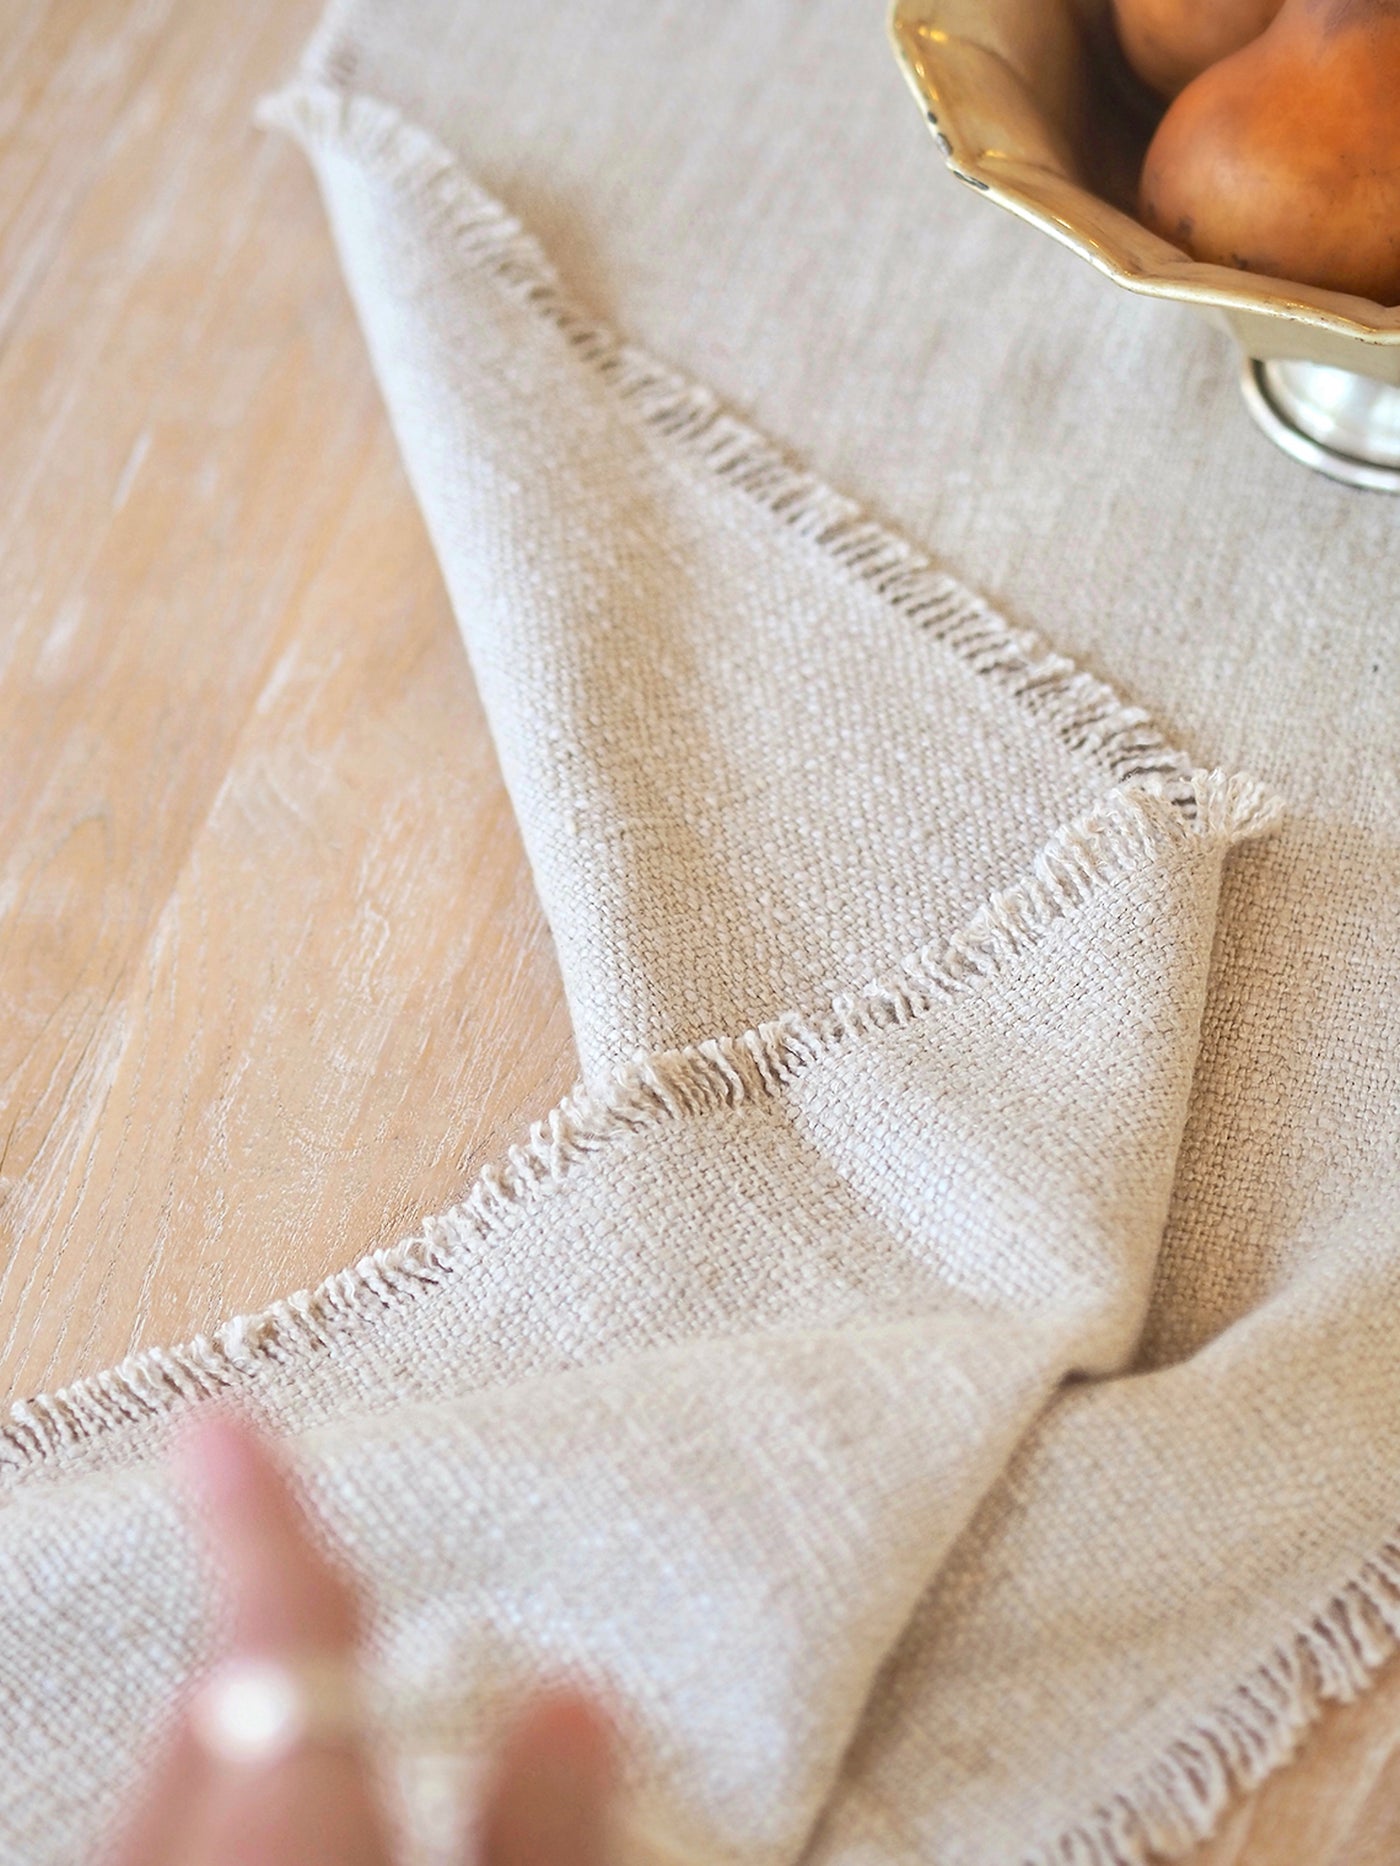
(865, 1379)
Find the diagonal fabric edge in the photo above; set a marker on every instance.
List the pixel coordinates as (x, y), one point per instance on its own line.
(1177, 1804)
(1136, 826)
(1084, 711)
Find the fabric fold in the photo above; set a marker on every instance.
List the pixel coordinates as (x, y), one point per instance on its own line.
(696, 1396)
(752, 761)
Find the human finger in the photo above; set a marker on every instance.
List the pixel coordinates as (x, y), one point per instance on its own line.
(158, 1829)
(294, 1620)
(548, 1795)
(282, 1591)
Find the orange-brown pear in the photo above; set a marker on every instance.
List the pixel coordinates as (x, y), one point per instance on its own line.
(1169, 42)
(1285, 157)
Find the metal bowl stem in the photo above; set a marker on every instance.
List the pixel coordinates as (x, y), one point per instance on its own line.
(1333, 420)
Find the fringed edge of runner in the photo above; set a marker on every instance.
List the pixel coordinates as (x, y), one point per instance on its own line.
(1083, 711)
(1177, 1803)
(1134, 826)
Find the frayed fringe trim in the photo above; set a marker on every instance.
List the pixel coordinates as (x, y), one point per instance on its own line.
(1132, 828)
(1175, 1805)
(1085, 713)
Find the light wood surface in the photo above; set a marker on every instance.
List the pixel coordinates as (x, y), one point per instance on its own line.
(273, 980)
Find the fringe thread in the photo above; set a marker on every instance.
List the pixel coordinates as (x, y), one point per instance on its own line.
(1084, 712)
(1176, 1804)
(1133, 827)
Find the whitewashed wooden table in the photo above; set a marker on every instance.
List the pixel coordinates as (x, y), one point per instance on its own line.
(273, 979)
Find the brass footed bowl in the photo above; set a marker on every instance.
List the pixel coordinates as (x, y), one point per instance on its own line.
(1033, 105)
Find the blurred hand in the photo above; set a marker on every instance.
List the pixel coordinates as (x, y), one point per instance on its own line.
(546, 1797)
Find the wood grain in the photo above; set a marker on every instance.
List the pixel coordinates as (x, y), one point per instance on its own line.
(273, 974)
(273, 980)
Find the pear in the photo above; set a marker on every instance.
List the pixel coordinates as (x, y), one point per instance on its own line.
(1169, 42)
(1285, 157)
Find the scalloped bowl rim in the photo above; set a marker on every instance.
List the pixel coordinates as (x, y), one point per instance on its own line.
(1179, 277)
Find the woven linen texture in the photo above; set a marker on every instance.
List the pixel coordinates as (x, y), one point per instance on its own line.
(737, 1386)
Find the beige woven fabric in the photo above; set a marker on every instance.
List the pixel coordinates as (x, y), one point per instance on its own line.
(930, 1068)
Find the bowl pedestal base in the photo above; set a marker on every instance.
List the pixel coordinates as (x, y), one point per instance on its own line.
(1333, 420)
